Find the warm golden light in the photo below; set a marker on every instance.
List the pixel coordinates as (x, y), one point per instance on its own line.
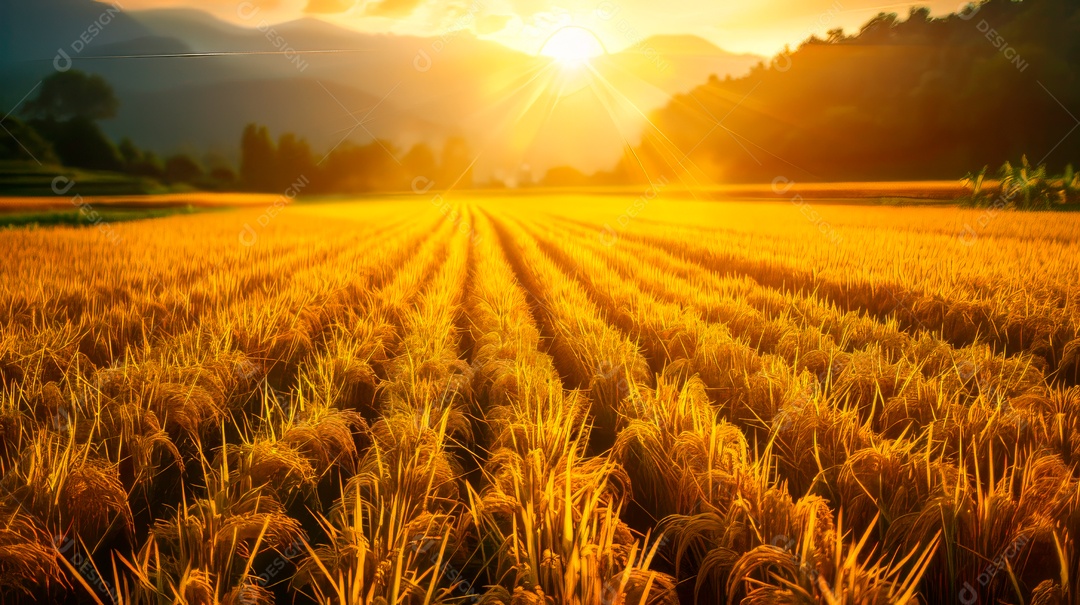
(572, 47)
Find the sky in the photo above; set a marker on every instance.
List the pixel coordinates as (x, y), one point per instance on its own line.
(756, 26)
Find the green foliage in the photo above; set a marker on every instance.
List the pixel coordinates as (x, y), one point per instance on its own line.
(129, 153)
(902, 99)
(148, 165)
(80, 218)
(1070, 185)
(79, 142)
(1023, 187)
(975, 182)
(72, 94)
(22, 178)
(257, 158)
(223, 175)
(1026, 186)
(181, 168)
(348, 167)
(294, 161)
(65, 112)
(22, 142)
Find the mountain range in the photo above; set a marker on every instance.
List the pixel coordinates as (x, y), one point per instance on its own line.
(328, 83)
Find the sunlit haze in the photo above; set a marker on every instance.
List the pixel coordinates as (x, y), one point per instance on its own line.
(572, 47)
(760, 27)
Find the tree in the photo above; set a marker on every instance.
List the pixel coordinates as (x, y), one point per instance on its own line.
(72, 94)
(420, 162)
(24, 143)
(564, 176)
(222, 177)
(355, 168)
(293, 161)
(182, 168)
(129, 153)
(219, 174)
(148, 165)
(66, 110)
(258, 158)
(81, 143)
(456, 164)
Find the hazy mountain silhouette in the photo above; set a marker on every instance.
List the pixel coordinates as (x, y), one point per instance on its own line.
(416, 89)
(34, 30)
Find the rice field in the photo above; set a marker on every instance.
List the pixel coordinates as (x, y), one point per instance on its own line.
(619, 400)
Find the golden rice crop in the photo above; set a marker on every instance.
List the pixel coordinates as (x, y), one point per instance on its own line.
(579, 402)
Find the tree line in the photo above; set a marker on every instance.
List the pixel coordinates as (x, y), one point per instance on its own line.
(60, 125)
(267, 165)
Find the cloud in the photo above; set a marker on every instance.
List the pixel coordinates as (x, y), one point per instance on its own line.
(489, 24)
(528, 8)
(328, 6)
(392, 8)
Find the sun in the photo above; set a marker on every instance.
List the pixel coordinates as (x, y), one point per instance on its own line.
(572, 47)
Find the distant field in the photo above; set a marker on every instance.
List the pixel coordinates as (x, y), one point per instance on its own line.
(103, 210)
(164, 200)
(914, 190)
(781, 190)
(616, 399)
(27, 179)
